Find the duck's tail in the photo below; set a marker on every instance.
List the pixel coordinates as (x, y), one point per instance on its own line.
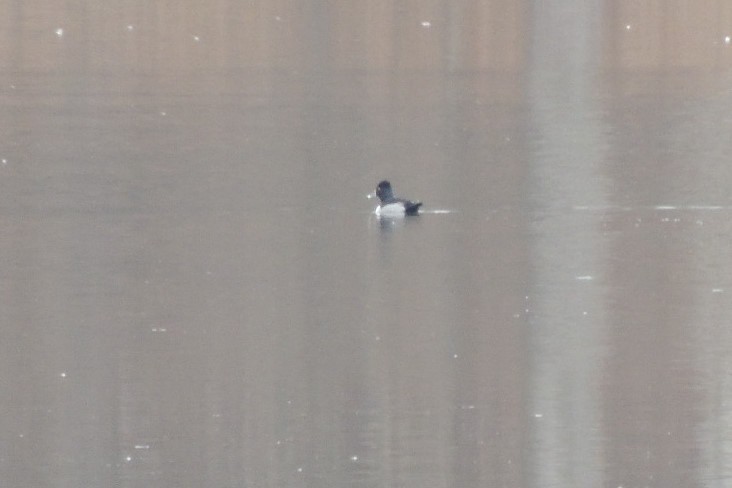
(412, 208)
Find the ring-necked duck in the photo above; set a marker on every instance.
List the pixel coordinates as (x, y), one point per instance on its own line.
(392, 206)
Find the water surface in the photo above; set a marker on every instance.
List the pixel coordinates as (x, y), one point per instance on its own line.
(195, 291)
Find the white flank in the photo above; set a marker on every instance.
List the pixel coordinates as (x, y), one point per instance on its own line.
(393, 210)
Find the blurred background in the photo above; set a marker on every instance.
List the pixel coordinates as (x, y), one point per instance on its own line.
(194, 290)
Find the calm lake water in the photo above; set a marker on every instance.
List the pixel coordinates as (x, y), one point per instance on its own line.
(195, 291)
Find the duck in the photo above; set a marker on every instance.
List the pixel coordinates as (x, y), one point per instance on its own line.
(392, 206)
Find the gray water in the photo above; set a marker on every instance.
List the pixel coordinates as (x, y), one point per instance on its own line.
(195, 291)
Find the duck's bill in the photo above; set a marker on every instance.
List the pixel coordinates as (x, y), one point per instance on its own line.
(371, 195)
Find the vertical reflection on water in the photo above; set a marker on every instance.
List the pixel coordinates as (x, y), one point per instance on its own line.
(711, 338)
(566, 314)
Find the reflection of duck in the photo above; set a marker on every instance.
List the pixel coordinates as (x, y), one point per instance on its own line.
(392, 206)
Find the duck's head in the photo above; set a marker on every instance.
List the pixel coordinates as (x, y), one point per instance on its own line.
(383, 191)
